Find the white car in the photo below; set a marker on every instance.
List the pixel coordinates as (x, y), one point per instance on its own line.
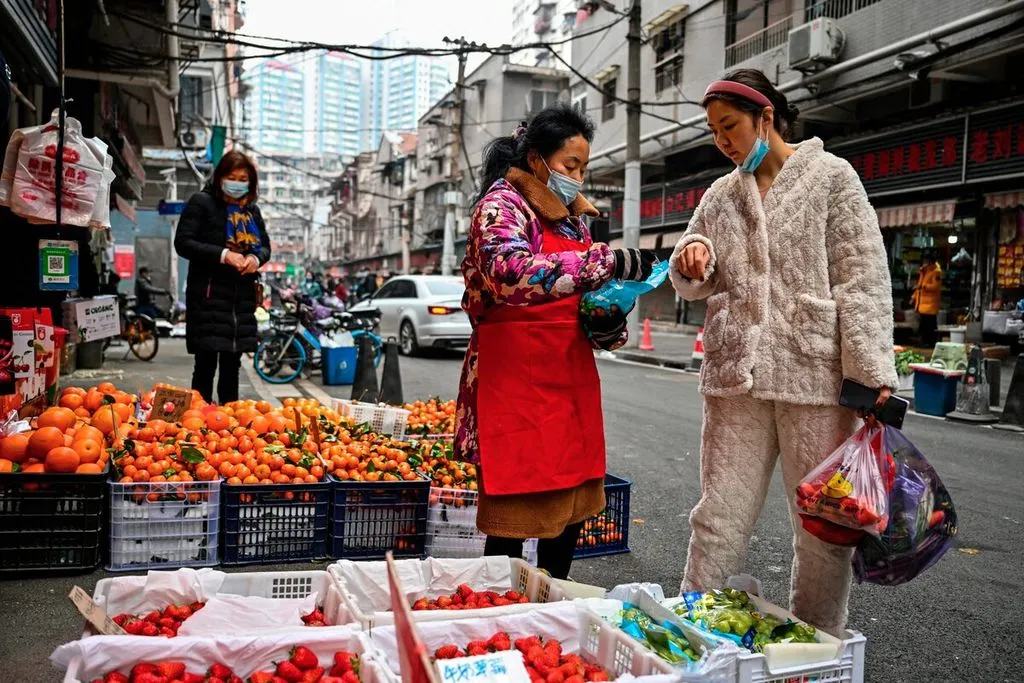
(421, 311)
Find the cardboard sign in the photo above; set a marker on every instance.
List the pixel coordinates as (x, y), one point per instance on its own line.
(94, 614)
(124, 261)
(91, 319)
(24, 332)
(412, 654)
(498, 667)
(177, 400)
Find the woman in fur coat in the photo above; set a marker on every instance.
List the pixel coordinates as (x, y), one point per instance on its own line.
(787, 251)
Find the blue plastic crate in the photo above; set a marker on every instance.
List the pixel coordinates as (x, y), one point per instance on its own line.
(164, 525)
(269, 523)
(607, 533)
(370, 518)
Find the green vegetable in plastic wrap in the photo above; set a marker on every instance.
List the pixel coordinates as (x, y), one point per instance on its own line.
(731, 614)
(664, 639)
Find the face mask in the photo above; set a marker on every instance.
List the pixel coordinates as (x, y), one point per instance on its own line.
(757, 153)
(235, 189)
(564, 187)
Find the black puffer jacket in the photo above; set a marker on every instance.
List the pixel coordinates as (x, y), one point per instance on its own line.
(220, 303)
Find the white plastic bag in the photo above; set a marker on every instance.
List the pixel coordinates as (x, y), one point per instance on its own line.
(157, 590)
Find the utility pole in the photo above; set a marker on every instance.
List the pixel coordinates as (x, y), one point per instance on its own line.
(453, 198)
(631, 198)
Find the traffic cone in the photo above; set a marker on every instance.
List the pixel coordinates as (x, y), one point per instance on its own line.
(646, 343)
(972, 394)
(391, 379)
(1013, 409)
(697, 359)
(364, 388)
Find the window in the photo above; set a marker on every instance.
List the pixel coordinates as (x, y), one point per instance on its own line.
(541, 99)
(445, 287)
(668, 56)
(608, 99)
(744, 18)
(190, 99)
(579, 97)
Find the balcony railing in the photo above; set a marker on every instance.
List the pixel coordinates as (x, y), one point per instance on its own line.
(768, 38)
(835, 8)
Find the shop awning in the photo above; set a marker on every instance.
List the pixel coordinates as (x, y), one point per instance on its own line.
(1004, 200)
(916, 214)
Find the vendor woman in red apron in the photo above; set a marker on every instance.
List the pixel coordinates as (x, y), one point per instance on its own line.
(530, 397)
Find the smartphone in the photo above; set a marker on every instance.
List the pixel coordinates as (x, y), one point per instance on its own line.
(859, 397)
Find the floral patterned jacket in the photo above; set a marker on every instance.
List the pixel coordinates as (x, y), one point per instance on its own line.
(504, 266)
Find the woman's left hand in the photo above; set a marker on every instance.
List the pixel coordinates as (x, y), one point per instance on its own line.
(884, 394)
(252, 264)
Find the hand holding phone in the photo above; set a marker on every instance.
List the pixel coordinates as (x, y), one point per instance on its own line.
(868, 401)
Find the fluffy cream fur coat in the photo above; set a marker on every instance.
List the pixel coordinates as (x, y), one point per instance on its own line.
(798, 286)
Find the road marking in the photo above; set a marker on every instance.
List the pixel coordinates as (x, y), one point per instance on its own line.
(265, 390)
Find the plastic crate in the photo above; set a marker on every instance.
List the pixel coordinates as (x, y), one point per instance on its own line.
(164, 525)
(597, 642)
(437, 580)
(383, 419)
(274, 585)
(266, 523)
(451, 526)
(244, 653)
(607, 533)
(52, 522)
(370, 518)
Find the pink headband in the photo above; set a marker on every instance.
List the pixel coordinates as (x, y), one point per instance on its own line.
(737, 89)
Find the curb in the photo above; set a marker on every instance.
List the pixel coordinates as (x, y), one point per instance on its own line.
(657, 361)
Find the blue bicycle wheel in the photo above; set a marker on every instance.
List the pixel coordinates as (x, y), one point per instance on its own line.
(279, 360)
(378, 344)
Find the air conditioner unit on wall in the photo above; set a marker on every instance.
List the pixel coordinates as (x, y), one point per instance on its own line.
(194, 138)
(815, 45)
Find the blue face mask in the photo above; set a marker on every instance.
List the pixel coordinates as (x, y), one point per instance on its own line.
(757, 153)
(236, 189)
(564, 187)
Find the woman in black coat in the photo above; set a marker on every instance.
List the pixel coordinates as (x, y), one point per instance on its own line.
(222, 234)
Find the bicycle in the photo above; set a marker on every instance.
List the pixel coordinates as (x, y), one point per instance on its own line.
(292, 346)
(138, 329)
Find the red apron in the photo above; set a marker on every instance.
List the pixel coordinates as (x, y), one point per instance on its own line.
(539, 420)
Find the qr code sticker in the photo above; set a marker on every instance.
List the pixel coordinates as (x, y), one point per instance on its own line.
(55, 264)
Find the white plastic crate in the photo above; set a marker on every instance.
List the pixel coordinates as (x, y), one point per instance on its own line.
(580, 631)
(90, 659)
(469, 545)
(451, 526)
(383, 419)
(164, 525)
(274, 585)
(366, 597)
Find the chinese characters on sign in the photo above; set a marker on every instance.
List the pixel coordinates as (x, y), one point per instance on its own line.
(668, 204)
(504, 667)
(995, 143)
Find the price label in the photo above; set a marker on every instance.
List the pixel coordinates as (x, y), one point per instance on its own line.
(499, 667)
(170, 404)
(93, 613)
(58, 264)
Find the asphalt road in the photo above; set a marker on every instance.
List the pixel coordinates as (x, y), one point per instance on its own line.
(953, 623)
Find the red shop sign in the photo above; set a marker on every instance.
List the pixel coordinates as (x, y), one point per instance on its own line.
(667, 204)
(995, 143)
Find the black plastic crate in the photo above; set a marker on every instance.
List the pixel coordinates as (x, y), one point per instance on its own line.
(607, 533)
(268, 523)
(52, 523)
(370, 518)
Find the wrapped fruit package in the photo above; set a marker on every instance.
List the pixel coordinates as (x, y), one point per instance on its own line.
(922, 521)
(849, 489)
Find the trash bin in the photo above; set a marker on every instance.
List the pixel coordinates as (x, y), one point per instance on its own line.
(90, 355)
(935, 390)
(339, 364)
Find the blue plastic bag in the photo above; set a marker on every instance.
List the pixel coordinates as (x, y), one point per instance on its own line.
(619, 296)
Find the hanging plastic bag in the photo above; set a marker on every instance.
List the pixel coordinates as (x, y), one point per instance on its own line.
(922, 520)
(850, 488)
(619, 296)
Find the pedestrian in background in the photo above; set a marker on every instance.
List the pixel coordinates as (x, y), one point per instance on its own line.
(145, 290)
(530, 397)
(787, 251)
(222, 234)
(927, 299)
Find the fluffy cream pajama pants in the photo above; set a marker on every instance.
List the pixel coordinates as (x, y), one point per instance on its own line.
(740, 441)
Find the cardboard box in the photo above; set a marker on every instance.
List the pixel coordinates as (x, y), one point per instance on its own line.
(92, 319)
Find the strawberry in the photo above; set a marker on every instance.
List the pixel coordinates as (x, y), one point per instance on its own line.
(122, 619)
(464, 591)
(218, 670)
(936, 518)
(476, 649)
(196, 606)
(448, 652)
(599, 676)
(313, 675)
(525, 644)
(443, 602)
(235, 679)
(153, 617)
(304, 658)
(345, 661)
(134, 627)
(142, 668)
(501, 601)
(805, 490)
(513, 596)
(575, 679)
(200, 678)
(350, 677)
(500, 642)
(149, 629)
(262, 677)
(332, 679)
(555, 676)
(149, 678)
(171, 670)
(420, 604)
(289, 672)
(115, 677)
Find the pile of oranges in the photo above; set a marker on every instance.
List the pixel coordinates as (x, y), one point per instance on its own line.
(71, 437)
(431, 417)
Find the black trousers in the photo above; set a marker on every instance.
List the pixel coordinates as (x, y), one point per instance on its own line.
(928, 329)
(227, 383)
(553, 554)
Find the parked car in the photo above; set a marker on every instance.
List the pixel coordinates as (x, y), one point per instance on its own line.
(421, 311)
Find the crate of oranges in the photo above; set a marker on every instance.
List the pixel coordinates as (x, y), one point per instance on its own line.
(53, 482)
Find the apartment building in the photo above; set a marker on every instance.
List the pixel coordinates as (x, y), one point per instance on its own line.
(549, 21)
(274, 115)
(920, 97)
